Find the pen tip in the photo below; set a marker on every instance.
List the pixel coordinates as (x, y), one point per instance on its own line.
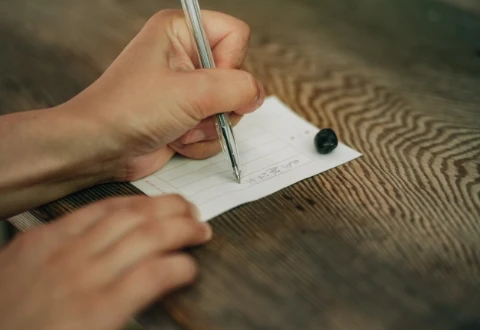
(237, 175)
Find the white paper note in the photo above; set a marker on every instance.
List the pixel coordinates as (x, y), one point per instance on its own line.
(276, 150)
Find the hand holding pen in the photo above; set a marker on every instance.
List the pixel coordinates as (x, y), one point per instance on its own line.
(224, 128)
(123, 127)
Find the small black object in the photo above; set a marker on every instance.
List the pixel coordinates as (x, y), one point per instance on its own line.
(326, 141)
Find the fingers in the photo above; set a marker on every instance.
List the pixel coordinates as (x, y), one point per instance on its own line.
(155, 238)
(146, 164)
(142, 285)
(199, 150)
(191, 146)
(132, 214)
(139, 229)
(228, 37)
(205, 131)
(78, 221)
(214, 91)
(221, 90)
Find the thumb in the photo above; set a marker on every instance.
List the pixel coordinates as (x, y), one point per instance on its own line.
(213, 91)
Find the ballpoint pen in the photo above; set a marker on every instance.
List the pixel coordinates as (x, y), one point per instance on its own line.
(204, 52)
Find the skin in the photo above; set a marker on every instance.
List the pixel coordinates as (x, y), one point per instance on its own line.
(98, 266)
(149, 104)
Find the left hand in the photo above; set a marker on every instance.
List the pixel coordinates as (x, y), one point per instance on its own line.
(98, 266)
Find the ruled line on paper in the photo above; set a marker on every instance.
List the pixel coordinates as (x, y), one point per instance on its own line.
(276, 150)
(255, 178)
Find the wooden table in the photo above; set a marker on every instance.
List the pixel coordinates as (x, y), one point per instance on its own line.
(388, 241)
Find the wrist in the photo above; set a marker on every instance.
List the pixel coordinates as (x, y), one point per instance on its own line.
(49, 154)
(91, 155)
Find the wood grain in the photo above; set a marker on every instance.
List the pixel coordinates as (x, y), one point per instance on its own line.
(388, 241)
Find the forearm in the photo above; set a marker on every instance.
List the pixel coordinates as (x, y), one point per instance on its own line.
(46, 155)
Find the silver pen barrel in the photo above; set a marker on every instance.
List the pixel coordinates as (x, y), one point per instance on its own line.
(205, 56)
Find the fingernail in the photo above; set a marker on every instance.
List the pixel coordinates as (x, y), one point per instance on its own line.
(260, 96)
(208, 231)
(195, 212)
(195, 135)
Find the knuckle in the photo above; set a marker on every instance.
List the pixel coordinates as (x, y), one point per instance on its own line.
(139, 205)
(156, 232)
(177, 201)
(201, 102)
(115, 204)
(245, 28)
(183, 223)
(126, 218)
(160, 17)
(130, 216)
(149, 233)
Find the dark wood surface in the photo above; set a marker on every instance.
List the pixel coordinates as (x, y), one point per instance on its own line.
(388, 241)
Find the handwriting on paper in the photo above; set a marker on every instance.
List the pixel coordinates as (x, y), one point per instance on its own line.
(275, 170)
(270, 160)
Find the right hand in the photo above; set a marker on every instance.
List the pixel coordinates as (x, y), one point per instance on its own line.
(151, 103)
(97, 267)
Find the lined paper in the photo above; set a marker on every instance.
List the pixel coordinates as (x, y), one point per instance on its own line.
(276, 150)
